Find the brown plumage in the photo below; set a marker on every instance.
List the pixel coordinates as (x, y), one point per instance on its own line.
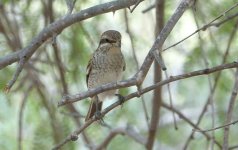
(106, 65)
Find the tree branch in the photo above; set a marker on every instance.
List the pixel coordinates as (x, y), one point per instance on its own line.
(184, 4)
(68, 99)
(59, 25)
(74, 135)
(109, 86)
(224, 59)
(140, 75)
(136, 62)
(189, 122)
(123, 131)
(210, 24)
(208, 130)
(22, 106)
(230, 112)
(157, 93)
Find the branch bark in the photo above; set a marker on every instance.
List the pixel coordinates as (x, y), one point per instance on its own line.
(123, 131)
(140, 75)
(182, 116)
(59, 25)
(157, 97)
(74, 135)
(217, 77)
(225, 145)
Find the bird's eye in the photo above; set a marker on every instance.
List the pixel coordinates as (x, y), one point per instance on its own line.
(106, 41)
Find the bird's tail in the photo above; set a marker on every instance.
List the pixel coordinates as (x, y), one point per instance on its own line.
(92, 108)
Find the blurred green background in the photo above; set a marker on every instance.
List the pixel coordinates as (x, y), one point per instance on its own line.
(44, 125)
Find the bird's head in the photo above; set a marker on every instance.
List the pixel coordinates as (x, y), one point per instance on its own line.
(110, 38)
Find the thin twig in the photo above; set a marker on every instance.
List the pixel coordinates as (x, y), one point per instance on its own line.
(158, 57)
(224, 58)
(134, 7)
(230, 112)
(182, 116)
(205, 60)
(219, 127)
(14, 42)
(182, 7)
(70, 5)
(88, 35)
(136, 62)
(74, 135)
(16, 75)
(148, 8)
(73, 111)
(129, 131)
(22, 106)
(210, 24)
(68, 99)
(233, 147)
(141, 74)
(60, 67)
(73, 114)
(171, 101)
(61, 70)
(59, 25)
(224, 21)
(55, 125)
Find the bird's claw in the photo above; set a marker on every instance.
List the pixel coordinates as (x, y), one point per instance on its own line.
(120, 98)
(98, 116)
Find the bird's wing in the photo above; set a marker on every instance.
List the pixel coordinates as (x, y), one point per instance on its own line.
(89, 68)
(124, 64)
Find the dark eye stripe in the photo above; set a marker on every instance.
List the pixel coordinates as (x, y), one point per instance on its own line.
(106, 41)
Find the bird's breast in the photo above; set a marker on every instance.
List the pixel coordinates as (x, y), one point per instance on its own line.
(105, 69)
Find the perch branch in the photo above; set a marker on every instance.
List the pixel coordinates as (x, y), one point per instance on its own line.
(74, 135)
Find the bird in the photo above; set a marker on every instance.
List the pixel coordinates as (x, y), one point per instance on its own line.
(105, 66)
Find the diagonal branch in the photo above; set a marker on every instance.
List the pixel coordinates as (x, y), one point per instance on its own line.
(183, 6)
(59, 25)
(217, 77)
(61, 70)
(210, 24)
(137, 3)
(140, 75)
(74, 135)
(182, 116)
(136, 62)
(130, 132)
(16, 74)
(206, 63)
(233, 147)
(68, 99)
(216, 128)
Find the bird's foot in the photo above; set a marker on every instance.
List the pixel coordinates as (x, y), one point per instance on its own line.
(120, 98)
(98, 115)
